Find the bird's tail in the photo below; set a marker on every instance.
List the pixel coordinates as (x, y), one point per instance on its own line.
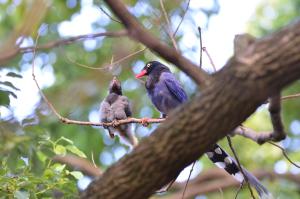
(219, 157)
(128, 135)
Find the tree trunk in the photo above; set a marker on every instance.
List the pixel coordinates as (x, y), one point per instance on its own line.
(235, 92)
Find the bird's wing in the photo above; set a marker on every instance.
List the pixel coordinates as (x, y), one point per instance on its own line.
(174, 87)
(127, 106)
(106, 114)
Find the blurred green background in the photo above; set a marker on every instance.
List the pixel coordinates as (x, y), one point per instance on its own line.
(30, 134)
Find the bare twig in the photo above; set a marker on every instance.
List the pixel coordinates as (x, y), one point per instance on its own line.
(210, 59)
(290, 96)
(111, 64)
(80, 164)
(60, 42)
(285, 154)
(108, 15)
(166, 187)
(240, 167)
(169, 29)
(186, 184)
(185, 11)
(137, 32)
(200, 38)
(239, 190)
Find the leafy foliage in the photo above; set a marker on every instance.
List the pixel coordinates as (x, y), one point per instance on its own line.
(27, 171)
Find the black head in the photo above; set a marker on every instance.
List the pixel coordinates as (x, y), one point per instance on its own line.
(115, 86)
(152, 67)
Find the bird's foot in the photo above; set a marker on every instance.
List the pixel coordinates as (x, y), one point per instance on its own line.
(115, 123)
(145, 121)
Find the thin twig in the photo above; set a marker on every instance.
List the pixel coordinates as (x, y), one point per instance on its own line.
(185, 11)
(239, 190)
(186, 184)
(169, 31)
(200, 38)
(108, 15)
(210, 59)
(285, 154)
(108, 66)
(169, 185)
(53, 44)
(240, 167)
(290, 96)
(70, 40)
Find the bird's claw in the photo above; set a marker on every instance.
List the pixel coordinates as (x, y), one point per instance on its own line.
(145, 121)
(114, 123)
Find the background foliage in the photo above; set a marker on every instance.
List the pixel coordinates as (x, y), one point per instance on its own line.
(30, 134)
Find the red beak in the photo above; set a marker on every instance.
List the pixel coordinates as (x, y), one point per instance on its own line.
(141, 74)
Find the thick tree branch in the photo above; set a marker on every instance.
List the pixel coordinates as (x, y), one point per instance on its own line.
(242, 85)
(137, 32)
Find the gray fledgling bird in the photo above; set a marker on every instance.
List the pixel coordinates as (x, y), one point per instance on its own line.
(117, 107)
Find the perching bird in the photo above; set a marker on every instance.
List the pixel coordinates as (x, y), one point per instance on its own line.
(166, 93)
(117, 107)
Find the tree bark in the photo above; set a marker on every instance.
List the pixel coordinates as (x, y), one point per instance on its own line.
(235, 92)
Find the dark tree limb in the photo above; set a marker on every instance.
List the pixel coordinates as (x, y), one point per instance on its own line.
(235, 92)
(137, 32)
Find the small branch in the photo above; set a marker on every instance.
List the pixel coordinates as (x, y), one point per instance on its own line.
(114, 123)
(210, 59)
(111, 64)
(185, 11)
(169, 29)
(59, 42)
(78, 163)
(285, 154)
(108, 15)
(251, 134)
(255, 136)
(137, 32)
(240, 167)
(186, 184)
(290, 96)
(200, 38)
(278, 133)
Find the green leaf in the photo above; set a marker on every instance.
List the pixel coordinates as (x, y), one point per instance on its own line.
(60, 150)
(59, 167)
(12, 74)
(4, 99)
(75, 150)
(76, 174)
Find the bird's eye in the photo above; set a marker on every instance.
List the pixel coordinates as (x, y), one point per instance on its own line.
(148, 65)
